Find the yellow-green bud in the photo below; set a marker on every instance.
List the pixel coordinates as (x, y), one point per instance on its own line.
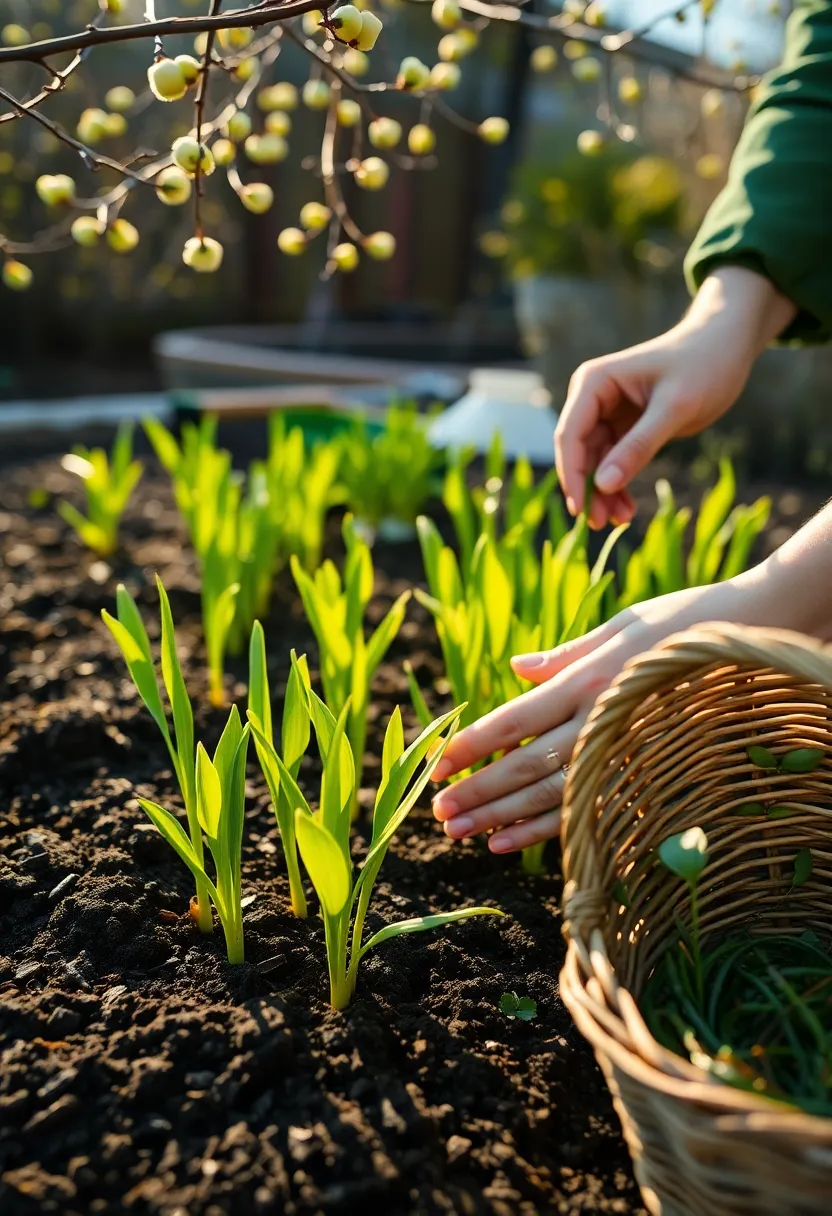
(204, 256)
(291, 241)
(421, 139)
(446, 14)
(15, 35)
(266, 149)
(92, 126)
(413, 74)
(280, 96)
(586, 70)
(312, 22)
(55, 189)
(591, 143)
(372, 173)
(544, 58)
(16, 276)
(346, 22)
(173, 186)
(116, 125)
(345, 256)
(494, 130)
(384, 132)
(256, 197)
(371, 27)
(278, 122)
(122, 236)
(445, 76)
(225, 152)
(349, 113)
(629, 91)
(119, 98)
(190, 156)
(238, 127)
(189, 67)
(315, 216)
(167, 80)
(380, 245)
(356, 62)
(316, 94)
(86, 231)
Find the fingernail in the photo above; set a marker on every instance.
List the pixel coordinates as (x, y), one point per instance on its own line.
(457, 828)
(609, 478)
(444, 809)
(535, 659)
(501, 844)
(571, 507)
(442, 770)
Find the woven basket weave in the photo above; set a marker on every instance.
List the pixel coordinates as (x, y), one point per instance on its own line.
(665, 750)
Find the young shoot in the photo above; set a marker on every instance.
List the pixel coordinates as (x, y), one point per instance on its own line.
(323, 836)
(686, 855)
(108, 483)
(220, 806)
(294, 742)
(131, 636)
(335, 608)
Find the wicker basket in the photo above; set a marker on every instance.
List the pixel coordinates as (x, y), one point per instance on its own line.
(664, 750)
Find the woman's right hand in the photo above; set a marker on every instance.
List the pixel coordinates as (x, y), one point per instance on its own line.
(621, 409)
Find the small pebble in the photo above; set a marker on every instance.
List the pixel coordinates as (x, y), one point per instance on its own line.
(64, 887)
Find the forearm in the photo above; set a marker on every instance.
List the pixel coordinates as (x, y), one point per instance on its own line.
(792, 589)
(748, 304)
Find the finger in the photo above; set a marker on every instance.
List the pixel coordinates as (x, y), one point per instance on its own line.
(542, 665)
(591, 392)
(522, 835)
(620, 506)
(535, 799)
(522, 767)
(639, 445)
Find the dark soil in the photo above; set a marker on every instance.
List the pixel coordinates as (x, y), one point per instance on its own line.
(140, 1073)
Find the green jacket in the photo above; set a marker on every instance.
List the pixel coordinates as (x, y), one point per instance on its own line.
(775, 213)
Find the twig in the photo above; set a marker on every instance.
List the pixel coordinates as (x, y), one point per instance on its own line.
(199, 111)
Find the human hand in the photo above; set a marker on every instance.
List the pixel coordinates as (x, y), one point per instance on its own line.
(518, 796)
(622, 408)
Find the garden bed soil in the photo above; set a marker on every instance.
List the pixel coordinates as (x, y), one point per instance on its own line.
(142, 1074)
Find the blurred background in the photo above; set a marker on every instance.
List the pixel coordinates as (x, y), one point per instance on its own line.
(553, 247)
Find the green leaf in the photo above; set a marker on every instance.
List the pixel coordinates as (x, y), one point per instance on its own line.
(619, 892)
(508, 1004)
(338, 780)
(170, 827)
(713, 513)
(276, 772)
(296, 721)
(750, 809)
(780, 812)
(802, 867)
(389, 805)
(141, 670)
(183, 718)
(259, 697)
(393, 744)
(381, 640)
(208, 794)
(418, 701)
(164, 445)
(686, 853)
(761, 757)
(801, 760)
(325, 863)
(419, 924)
(526, 1009)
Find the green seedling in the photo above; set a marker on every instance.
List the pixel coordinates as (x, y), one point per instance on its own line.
(335, 608)
(294, 742)
(131, 636)
(392, 475)
(323, 836)
(220, 806)
(108, 483)
(522, 1008)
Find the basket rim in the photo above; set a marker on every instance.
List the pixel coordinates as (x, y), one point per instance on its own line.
(588, 981)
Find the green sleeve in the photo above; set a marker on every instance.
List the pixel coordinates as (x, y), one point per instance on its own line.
(774, 215)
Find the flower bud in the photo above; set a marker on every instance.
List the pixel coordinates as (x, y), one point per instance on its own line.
(629, 91)
(349, 113)
(421, 139)
(380, 245)
(92, 126)
(312, 22)
(278, 122)
(15, 35)
(266, 149)
(291, 241)
(445, 76)
(122, 236)
(204, 256)
(167, 80)
(173, 186)
(246, 68)
(544, 58)
(494, 130)
(190, 156)
(591, 143)
(345, 257)
(371, 27)
(280, 96)
(16, 276)
(116, 125)
(454, 47)
(372, 173)
(413, 74)
(586, 70)
(709, 166)
(238, 127)
(224, 152)
(119, 98)
(316, 94)
(384, 132)
(446, 14)
(236, 39)
(346, 23)
(189, 67)
(356, 63)
(55, 190)
(256, 197)
(86, 231)
(315, 216)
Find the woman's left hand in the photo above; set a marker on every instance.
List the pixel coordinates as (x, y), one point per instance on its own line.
(518, 796)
